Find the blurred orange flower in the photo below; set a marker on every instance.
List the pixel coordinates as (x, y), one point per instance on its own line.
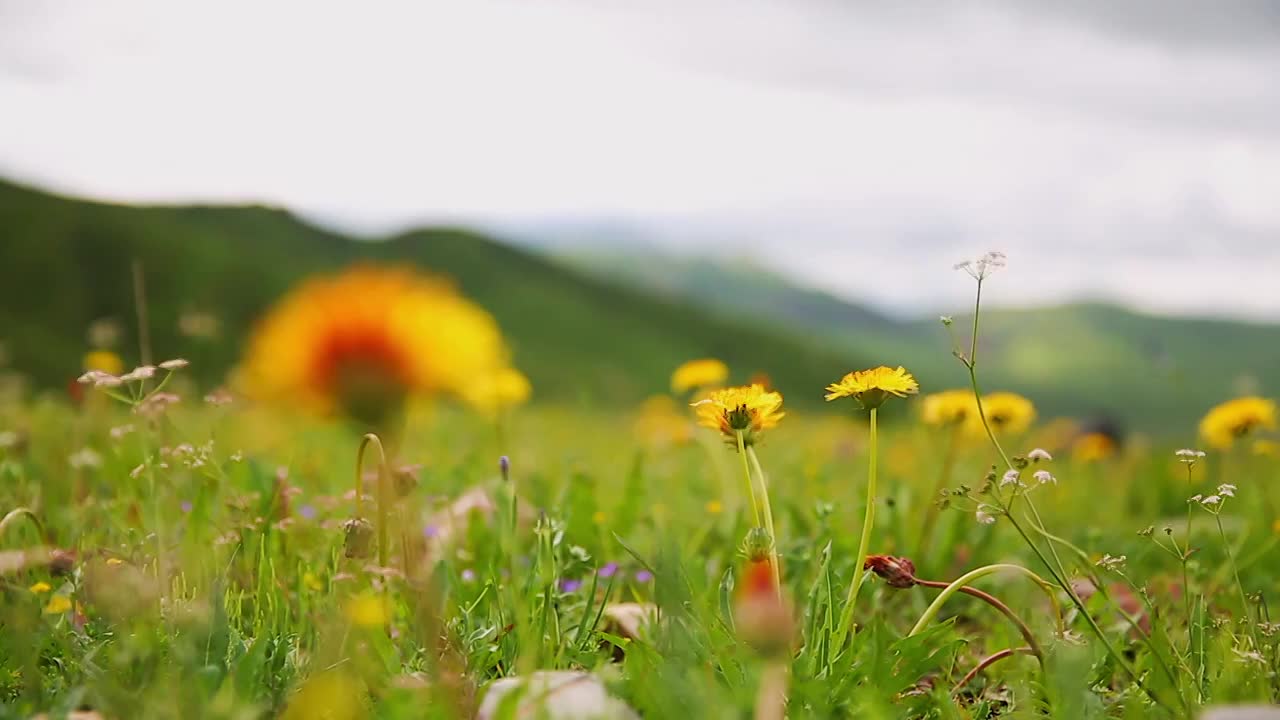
(363, 341)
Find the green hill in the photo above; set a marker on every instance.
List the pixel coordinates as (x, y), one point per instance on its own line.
(1081, 359)
(65, 263)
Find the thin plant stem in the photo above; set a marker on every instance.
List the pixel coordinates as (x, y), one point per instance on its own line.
(1235, 571)
(996, 603)
(767, 509)
(1186, 557)
(383, 502)
(987, 662)
(771, 698)
(960, 583)
(746, 474)
(13, 516)
(864, 545)
(944, 477)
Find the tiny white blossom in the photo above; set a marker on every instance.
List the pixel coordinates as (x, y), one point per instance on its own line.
(137, 472)
(120, 431)
(174, 364)
(143, 372)
(1039, 454)
(1227, 490)
(1112, 563)
(1195, 498)
(1249, 656)
(1189, 456)
(1011, 477)
(1044, 477)
(984, 517)
(92, 377)
(1211, 500)
(981, 268)
(85, 458)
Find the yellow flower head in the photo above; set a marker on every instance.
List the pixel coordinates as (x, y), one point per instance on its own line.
(949, 407)
(58, 604)
(1006, 413)
(661, 423)
(363, 341)
(706, 372)
(40, 588)
(369, 610)
(493, 392)
(1094, 446)
(332, 695)
(872, 387)
(749, 410)
(103, 361)
(1236, 418)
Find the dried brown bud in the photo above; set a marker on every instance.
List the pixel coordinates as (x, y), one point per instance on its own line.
(898, 572)
(358, 540)
(61, 562)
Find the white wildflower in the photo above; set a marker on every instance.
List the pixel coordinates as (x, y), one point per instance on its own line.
(1044, 477)
(143, 372)
(137, 472)
(1249, 656)
(1112, 563)
(984, 517)
(1195, 498)
(218, 397)
(1227, 490)
(1211, 500)
(85, 458)
(1011, 477)
(984, 266)
(1039, 454)
(174, 364)
(1189, 456)
(120, 431)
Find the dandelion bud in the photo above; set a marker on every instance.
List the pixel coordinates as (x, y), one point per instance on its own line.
(358, 538)
(762, 617)
(898, 572)
(758, 545)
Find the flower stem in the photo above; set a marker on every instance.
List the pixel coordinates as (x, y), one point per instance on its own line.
(771, 699)
(959, 585)
(988, 662)
(996, 603)
(846, 621)
(14, 515)
(746, 474)
(767, 509)
(1235, 571)
(383, 502)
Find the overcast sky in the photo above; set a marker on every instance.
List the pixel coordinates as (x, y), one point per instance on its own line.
(1125, 150)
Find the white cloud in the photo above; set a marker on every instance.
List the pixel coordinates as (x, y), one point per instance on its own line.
(759, 126)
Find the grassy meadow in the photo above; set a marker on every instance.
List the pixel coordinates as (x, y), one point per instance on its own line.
(360, 509)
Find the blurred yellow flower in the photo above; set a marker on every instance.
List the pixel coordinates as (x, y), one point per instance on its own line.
(598, 517)
(714, 507)
(1262, 446)
(749, 410)
(949, 407)
(494, 392)
(705, 372)
(368, 610)
(332, 695)
(661, 423)
(58, 604)
(1006, 412)
(1235, 419)
(312, 582)
(40, 587)
(872, 387)
(103, 361)
(1094, 446)
(362, 341)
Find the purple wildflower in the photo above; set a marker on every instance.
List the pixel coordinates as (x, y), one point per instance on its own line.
(567, 585)
(504, 465)
(430, 531)
(308, 512)
(468, 575)
(609, 570)
(186, 506)
(643, 576)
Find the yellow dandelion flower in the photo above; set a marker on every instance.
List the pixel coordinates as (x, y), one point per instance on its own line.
(103, 361)
(1006, 412)
(706, 372)
(749, 410)
(949, 407)
(363, 341)
(714, 507)
(1234, 419)
(331, 695)
(1092, 447)
(312, 582)
(661, 423)
(872, 387)
(598, 517)
(58, 604)
(40, 588)
(368, 610)
(494, 392)
(114, 562)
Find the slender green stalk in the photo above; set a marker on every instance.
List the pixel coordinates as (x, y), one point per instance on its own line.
(988, 662)
(767, 509)
(864, 545)
(382, 499)
(1235, 571)
(961, 582)
(11, 519)
(746, 474)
